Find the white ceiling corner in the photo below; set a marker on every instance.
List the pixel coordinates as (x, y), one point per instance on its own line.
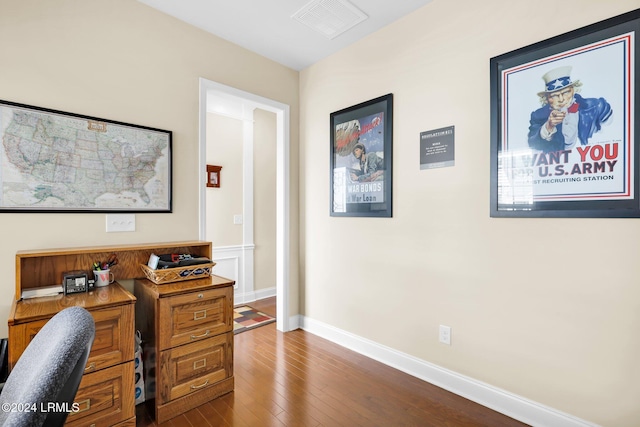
(271, 29)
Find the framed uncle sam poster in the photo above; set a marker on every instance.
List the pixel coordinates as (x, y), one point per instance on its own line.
(563, 125)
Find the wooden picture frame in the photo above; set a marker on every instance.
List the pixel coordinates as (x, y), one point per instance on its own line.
(213, 176)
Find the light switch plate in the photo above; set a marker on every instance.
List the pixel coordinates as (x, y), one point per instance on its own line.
(121, 222)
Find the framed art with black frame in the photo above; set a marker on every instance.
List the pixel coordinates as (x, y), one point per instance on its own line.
(564, 141)
(52, 161)
(361, 159)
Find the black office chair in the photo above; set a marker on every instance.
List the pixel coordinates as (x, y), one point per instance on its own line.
(46, 377)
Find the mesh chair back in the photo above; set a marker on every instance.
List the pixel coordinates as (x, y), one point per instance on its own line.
(42, 385)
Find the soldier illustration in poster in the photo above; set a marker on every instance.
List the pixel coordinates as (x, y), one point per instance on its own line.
(359, 156)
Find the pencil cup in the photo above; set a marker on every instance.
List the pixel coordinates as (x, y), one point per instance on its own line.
(103, 277)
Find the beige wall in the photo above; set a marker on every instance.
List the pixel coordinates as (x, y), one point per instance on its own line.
(548, 309)
(224, 148)
(123, 61)
(264, 199)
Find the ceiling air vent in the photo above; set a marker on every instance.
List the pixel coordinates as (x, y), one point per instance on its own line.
(330, 17)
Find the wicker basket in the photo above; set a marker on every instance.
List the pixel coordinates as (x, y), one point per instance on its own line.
(178, 274)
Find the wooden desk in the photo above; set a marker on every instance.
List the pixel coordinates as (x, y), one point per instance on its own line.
(106, 394)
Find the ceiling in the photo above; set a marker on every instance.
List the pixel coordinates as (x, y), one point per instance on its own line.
(267, 27)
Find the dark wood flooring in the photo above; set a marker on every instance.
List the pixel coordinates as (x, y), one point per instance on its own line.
(298, 379)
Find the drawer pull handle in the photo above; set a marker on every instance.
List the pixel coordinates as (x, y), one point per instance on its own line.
(200, 296)
(90, 367)
(199, 364)
(193, 337)
(202, 314)
(195, 387)
(86, 402)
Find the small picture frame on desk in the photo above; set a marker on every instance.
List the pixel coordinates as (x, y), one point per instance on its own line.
(213, 176)
(74, 282)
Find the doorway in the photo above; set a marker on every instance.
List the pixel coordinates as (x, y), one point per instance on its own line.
(212, 92)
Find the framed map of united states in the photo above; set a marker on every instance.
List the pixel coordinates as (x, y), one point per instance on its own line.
(52, 161)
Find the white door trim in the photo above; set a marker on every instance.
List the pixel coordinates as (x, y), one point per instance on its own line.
(210, 88)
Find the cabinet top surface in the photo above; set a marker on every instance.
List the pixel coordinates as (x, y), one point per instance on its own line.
(31, 309)
(169, 289)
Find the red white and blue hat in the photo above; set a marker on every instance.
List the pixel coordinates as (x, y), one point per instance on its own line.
(557, 79)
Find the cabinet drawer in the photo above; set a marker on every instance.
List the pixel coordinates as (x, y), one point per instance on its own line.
(195, 316)
(105, 398)
(113, 342)
(19, 338)
(194, 367)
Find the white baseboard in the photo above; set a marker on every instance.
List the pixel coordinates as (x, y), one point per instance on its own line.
(247, 297)
(499, 400)
(265, 293)
(296, 322)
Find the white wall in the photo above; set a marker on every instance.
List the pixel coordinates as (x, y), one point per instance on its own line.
(264, 196)
(224, 148)
(225, 138)
(547, 309)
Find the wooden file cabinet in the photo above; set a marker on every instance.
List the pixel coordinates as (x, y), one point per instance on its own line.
(105, 396)
(187, 333)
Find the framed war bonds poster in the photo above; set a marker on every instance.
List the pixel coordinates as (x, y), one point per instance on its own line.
(361, 159)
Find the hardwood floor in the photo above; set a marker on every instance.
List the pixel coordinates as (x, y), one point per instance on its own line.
(298, 379)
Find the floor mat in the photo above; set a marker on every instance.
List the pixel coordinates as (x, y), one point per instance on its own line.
(245, 318)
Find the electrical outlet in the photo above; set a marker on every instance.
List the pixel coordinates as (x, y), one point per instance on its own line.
(237, 219)
(445, 334)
